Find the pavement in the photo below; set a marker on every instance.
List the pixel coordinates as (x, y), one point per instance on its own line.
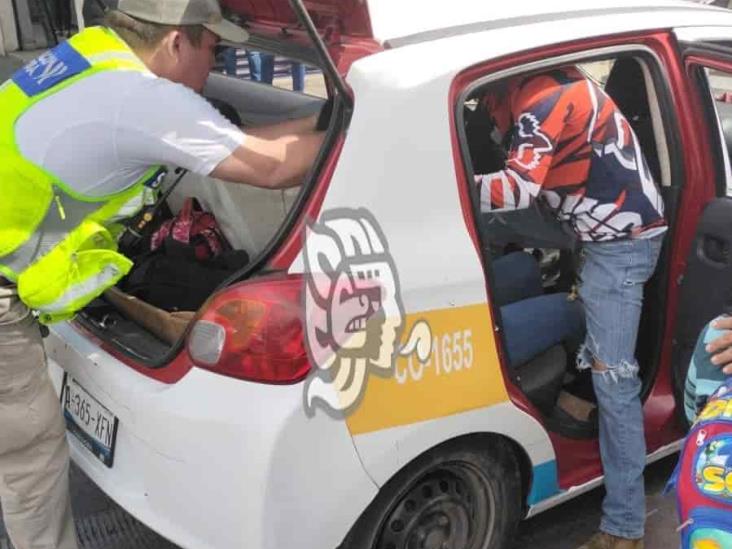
(8, 65)
(569, 525)
(102, 524)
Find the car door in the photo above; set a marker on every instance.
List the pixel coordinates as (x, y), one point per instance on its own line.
(706, 281)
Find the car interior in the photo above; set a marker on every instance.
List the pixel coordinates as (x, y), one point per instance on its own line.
(562, 394)
(250, 218)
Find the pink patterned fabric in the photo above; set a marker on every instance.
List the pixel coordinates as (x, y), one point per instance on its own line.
(194, 227)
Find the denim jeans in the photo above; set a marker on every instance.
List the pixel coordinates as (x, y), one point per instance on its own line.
(230, 61)
(516, 276)
(298, 76)
(533, 322)
(261, 69)
(613, 275)
(532, 326)
(261, 66)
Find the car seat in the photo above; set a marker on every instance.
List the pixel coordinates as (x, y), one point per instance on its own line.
(626, 85)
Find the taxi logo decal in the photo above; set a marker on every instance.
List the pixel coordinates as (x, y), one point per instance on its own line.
(354, 315)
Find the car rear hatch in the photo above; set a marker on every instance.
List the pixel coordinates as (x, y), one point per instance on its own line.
(279, 27)
(339, 30)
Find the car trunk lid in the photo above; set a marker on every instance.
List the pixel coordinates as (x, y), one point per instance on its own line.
(332, 18)
(340, 30)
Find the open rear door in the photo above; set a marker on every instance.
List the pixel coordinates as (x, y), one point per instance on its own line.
(706, 289)
(706, 286)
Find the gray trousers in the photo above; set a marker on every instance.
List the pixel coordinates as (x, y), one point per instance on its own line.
(34, 455)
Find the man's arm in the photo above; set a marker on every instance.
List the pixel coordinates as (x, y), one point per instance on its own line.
(271, 162)
(186, 130)
(721, 348)
(532, 148)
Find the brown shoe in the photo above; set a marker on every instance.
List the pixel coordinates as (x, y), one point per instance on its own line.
(601, 540)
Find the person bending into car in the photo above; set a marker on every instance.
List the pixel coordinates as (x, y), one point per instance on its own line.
(83, 129)
(570, 145)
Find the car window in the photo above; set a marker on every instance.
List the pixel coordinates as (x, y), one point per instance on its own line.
(269, 68)
(719, 88)
(627, 80)
(599, 71)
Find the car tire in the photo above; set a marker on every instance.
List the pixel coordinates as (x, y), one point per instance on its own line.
(464, 494)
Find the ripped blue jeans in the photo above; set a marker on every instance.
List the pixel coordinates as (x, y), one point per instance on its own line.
(613, 275)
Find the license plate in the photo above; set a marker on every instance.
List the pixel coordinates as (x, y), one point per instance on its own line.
(93, 424)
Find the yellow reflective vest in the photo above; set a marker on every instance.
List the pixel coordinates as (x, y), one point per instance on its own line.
(56, 244)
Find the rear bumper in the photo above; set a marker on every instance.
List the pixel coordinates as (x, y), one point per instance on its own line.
(215, 462)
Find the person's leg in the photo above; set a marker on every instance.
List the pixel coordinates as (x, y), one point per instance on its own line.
(613, 276)
(534, 325)
(230, 61)
(516, 276)
(298, 76)
(267, 67)
(34, 456)
(254, 59)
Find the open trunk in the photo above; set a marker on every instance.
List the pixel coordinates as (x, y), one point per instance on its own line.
(255, 220)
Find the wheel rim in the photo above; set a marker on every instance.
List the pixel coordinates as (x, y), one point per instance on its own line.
(450, 507)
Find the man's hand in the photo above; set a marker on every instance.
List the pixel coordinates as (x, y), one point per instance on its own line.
(721, 348)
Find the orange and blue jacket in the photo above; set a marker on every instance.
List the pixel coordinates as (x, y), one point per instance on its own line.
(570, 144)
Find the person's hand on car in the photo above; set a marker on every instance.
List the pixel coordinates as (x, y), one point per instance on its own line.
(721, 347)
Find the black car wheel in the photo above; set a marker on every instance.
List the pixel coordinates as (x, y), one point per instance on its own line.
(457, 496)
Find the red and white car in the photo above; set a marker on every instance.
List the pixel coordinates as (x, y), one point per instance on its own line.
(235, 436)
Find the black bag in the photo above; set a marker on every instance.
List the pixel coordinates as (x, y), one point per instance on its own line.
(175, 282)
(189, 258)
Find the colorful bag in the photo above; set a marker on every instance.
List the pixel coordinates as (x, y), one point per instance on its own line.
(703, 477)
(195, 229)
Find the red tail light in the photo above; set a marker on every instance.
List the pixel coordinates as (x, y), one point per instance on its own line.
(253, 331)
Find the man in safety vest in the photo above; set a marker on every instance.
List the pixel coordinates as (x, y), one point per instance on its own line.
(84, 129)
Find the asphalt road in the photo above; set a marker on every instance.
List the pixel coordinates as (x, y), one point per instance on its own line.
(103, 525)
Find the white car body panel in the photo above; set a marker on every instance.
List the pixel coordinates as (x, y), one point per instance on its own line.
(390, 20)
(211, 462)
(700, 34)
(385, 452)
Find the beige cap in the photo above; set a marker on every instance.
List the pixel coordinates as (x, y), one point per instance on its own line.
(185, 12)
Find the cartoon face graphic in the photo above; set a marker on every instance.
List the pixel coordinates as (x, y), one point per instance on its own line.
(713, 469)
(354, 313)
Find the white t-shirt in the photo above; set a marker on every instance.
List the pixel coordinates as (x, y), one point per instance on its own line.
(100, 135)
